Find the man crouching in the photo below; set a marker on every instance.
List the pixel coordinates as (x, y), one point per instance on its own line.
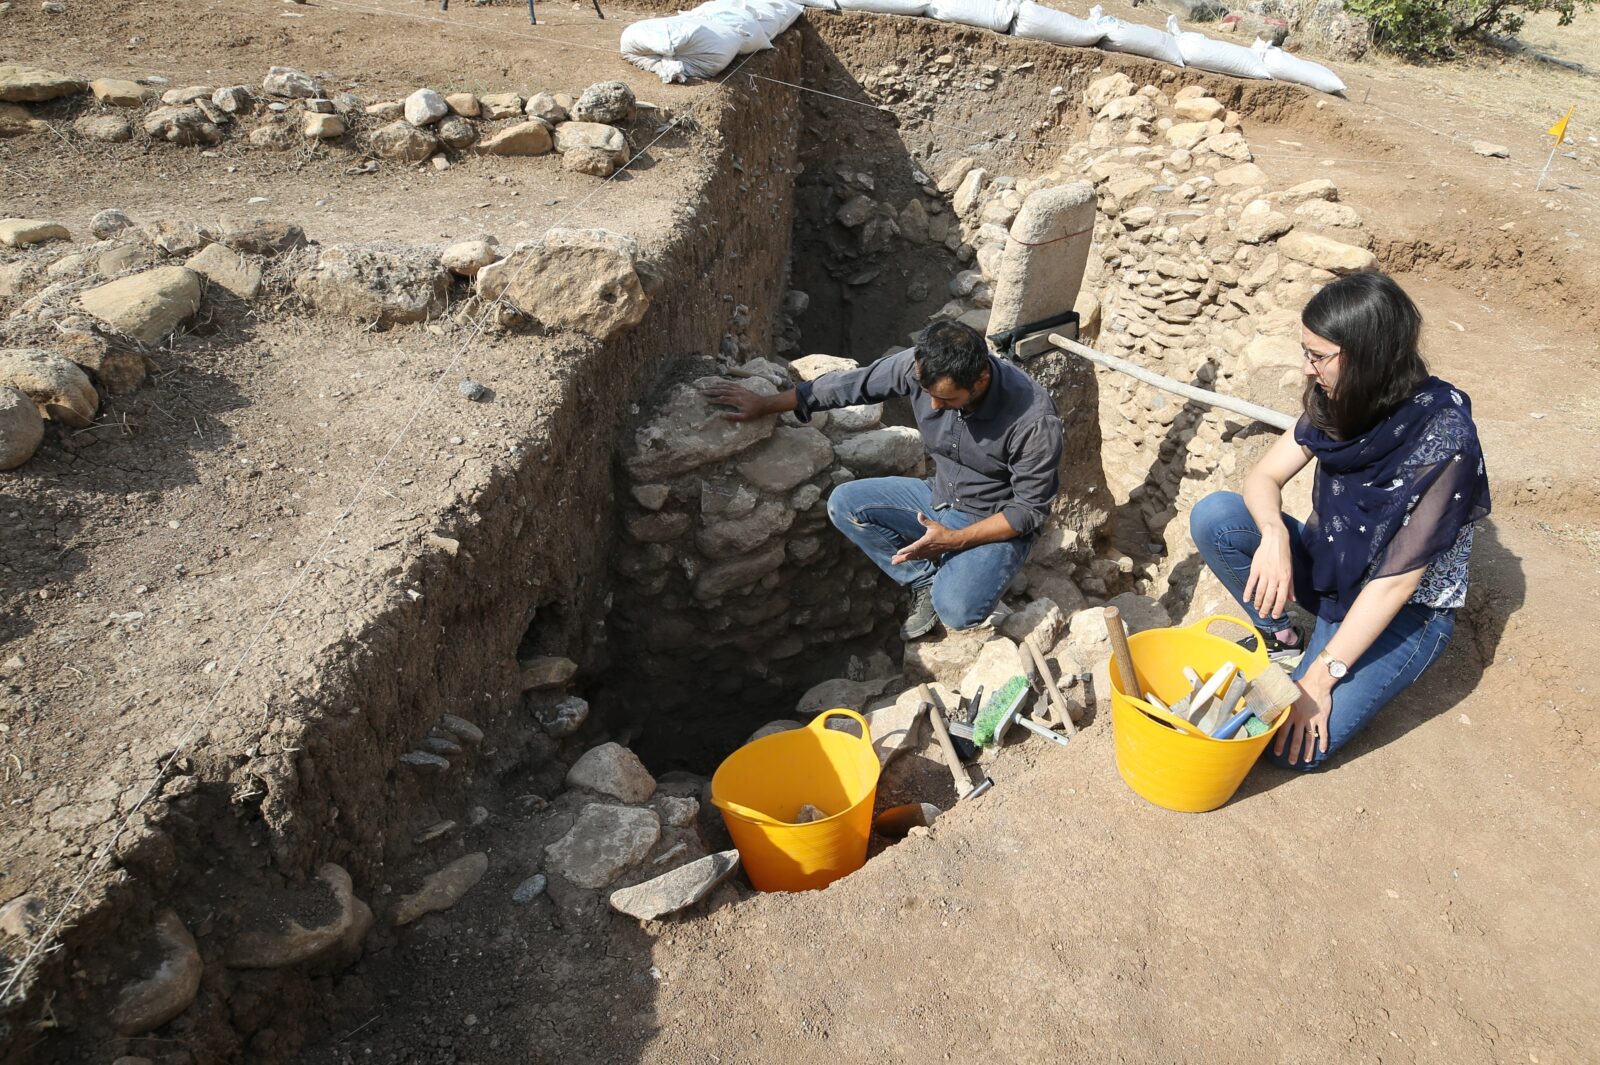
(957, 539)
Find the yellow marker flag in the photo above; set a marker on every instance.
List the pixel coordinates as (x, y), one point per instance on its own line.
(1559, 130)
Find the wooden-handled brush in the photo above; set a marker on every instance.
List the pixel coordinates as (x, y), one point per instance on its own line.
(1268, 696)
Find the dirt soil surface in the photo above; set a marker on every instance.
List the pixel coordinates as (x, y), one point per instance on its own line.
(1426, 899)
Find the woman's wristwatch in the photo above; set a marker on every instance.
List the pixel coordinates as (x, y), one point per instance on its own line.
(1336, 668)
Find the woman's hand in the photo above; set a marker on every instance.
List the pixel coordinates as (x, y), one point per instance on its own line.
(1306, 731)
(1271, 585)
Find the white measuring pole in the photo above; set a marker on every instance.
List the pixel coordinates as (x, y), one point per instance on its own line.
(1544, 173)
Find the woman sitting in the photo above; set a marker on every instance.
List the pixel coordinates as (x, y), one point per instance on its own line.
(1382, 560)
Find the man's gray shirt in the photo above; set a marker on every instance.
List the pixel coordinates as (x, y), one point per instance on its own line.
(1001, 457)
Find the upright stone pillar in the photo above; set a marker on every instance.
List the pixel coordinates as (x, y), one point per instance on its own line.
(1039, 276)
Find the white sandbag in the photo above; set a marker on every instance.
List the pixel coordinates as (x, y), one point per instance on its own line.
(679, 48)
(775, 15)
(1285, 67)
(997, 15)
(1040, 23)
(736, 18)
(825, 5)
(1202, 52)
(1134, 39)
(886, 7)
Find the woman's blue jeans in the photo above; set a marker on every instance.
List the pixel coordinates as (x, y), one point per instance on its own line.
(879, 515)
(1227, 538)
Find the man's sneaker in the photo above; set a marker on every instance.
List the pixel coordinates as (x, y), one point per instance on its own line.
(1277, 650)
(920, 619)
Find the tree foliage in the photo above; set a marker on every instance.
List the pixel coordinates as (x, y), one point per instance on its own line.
(1427, 29)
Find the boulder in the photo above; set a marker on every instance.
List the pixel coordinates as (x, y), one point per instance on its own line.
(115, 92)
(789, 457)
(582, 280)
(772, 728)
(290, 83)
(425, 107)
(1102, 91)
(885, 452)
(188, 94)
(1273, 353)
(57, 387)
(571, 135)
(147, 1004)
(173, 237)
(686, 432)
(24, 232)
(111, 129)
(147, 306)
(719, 579)
(21, 427)
(1086, 631)
(1040, 620)
(228, 270)
(944, 658)
(1259, 223)
(611, 769)
(402, 142)
(1243, 175)
(290, 942)
(1199, 109)
(855, 419)
(378, 283)
(606, 101)
(109, 223)
(1316, 189)
(736, 536)
(1323, 213)
(441, 890)
(184, 125)
(524, 138)
(677, 890)
(1325, 253)
(456, 132)
(604, 843)
(999, 659)
(811, 367)
(30, 85)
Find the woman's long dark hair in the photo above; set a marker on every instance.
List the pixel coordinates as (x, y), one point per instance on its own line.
(1377, 328)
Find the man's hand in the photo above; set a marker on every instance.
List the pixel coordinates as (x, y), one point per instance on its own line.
(747, 406)
(937, 541)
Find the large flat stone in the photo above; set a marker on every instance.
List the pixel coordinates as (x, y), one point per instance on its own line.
(147, 306)
(611, 769)
(604, 843)
(228, 270)
(1046, 253)
(884, 452)
(584, 280)
(382, 284)
(26, 85)
(677, 890)
(23, 232)
(58, 388)
(524, 138)
(1325, 253)
(788, 457)
(442, 889)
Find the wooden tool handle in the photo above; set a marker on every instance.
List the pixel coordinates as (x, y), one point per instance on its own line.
(957, 771)
(1119, 650)
(1063, 711)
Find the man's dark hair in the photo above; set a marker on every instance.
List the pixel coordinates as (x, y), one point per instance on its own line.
(951, 350)
(1377, 328)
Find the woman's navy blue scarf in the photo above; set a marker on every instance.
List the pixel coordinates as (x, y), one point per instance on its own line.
(1393, 499)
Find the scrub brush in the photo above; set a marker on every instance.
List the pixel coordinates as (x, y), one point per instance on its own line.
(991, 725)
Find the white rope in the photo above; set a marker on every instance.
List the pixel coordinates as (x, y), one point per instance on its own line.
(45, 940)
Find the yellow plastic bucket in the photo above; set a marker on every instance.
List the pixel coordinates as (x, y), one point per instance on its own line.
(1173, 769)
(760, 788)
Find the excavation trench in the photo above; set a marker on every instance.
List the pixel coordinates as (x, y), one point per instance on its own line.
(690, 576)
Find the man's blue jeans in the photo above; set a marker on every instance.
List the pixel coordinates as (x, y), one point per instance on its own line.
(1227, 538)
(879, 515)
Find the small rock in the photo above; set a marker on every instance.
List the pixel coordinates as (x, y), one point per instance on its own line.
(677, 890)
(21, 433)
(462, 729)
(425, 107)
(323, 127)
(175, 97)
(610, 102)
(523, 139)
(464, 104)
(456, 132)
(546, 671)
(23, 916)
(28, 85)
(611, 769)
(290, 83)
(501, 105)
(261, 237)
(23, 232)
(595, 162)
(234, 100)
(274, 135)
(772, 728)
(1492, 150)
(425, 760)
(1199, 109)
(468, 257)
(529, 889)
(402, 142)
(441, 890)
(603, 843)
(887, 452)
(388, 111)
(564, 718)
(111, 129)
(114, 92)
(187, 125)
(472, 390)
(1040, 620)
(543, 105)
(808, 814)
(380, 283)
(227, 270)
(572, 135)
(676, 811)
(1259, 223)
(149, 1003)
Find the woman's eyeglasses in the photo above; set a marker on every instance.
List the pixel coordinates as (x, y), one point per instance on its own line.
(1317, 358)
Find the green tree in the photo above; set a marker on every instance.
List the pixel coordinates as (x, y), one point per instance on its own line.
(1429, 28)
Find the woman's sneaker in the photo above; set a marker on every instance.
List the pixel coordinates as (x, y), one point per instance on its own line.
(1277, 650)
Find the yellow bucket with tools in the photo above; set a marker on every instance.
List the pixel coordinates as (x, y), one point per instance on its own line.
(761, 787)
(1175, 769)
